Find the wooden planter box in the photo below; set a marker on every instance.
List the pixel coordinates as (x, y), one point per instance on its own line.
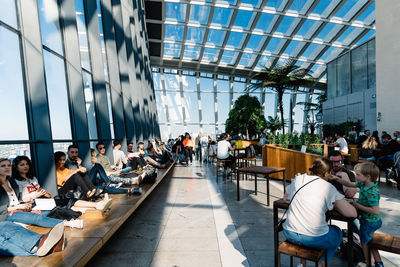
(293, 161)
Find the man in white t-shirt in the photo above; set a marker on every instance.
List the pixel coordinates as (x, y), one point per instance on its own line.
(225, 150)
(342, 143)
(120, 158)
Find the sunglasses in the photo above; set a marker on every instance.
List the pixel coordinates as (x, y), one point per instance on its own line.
(101, 147)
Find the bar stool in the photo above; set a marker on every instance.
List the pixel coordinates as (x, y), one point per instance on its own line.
(217, 165)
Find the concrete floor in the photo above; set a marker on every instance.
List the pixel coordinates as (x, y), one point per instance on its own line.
(189, 220)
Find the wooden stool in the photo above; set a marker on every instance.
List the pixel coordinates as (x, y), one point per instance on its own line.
(217, 165)
(384, 242)
(246, 163)
(293, 250)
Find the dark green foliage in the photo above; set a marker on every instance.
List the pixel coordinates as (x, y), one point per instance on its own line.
(273, 124)
(246, 117)
(346, 127)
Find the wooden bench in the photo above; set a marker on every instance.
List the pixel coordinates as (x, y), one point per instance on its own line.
(83, 244)
(385, 242)
(300, 252)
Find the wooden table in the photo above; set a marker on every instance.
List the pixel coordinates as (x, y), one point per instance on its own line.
(332, 214)
(264, 170)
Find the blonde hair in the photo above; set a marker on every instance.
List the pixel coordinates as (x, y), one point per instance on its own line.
(368, 168)
(93, 155)
(370, 143)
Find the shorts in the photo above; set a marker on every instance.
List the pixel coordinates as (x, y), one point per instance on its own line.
(367, 229)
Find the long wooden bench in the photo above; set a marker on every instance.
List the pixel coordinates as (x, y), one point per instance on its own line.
(83, 244)
(294, 250)
(385, 242)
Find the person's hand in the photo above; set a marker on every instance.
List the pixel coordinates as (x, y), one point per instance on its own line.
(356, 205)
(39, 193)
(82, 169)
(22, 206)
(79, 161)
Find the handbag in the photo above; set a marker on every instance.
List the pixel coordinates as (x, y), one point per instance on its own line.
(279, 226)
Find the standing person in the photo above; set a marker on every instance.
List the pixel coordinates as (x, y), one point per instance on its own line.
(311, 197)
(198, 147)
(189, 146)
(341, 143)
(204, 147)
(367, 205)
(15, 239)
(179, 150)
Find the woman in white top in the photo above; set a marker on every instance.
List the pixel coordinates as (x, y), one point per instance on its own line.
(306, 223)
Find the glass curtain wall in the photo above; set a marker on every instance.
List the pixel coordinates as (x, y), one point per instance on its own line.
(203, 102)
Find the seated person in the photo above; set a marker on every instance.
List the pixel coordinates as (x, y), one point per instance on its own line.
(110, 170)
(336, 158)
(341, 143)
(225, 151)
(29, 188)
(368, 149)
(120, 159)
(144, 154)
(311, 197)
(179, 150)
(15, 239)
(212, 151)
(389, 148)
(68, 180)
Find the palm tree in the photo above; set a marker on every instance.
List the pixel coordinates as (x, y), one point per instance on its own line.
(314, 108)
(273, 124)
(282, 77)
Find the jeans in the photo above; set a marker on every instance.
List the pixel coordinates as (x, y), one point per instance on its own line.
(15, 240)
(97, 171)
(330, 241)
(126, 170)
(74, 181)
(33, 218)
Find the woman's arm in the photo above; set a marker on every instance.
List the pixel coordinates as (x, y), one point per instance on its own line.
(345, 208)
(37, 194)
(23, 206)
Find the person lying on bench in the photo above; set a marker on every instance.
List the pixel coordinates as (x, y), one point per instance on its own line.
(29, 188)
(311, 197)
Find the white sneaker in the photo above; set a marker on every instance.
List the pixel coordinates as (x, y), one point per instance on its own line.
(136, 191)
(74, 224)
(116, 185)
(104, 204)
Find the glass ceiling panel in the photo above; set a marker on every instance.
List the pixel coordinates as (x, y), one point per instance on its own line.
(174, 32)
(253, 3)
(276, 4)
(299, 6)
(199, 14)
(210, 54)
(366, 37)
(229, 56)
(216, 37)
(236, 40)
(264, 22)
(312, 51)
(192, 52)
(273, 44)
(325, 31)
(246, 59)
(222, 16)
(255, 42)
(195, 35)
(293, 48)
(369, 12)
(285, 25)
(175, 12)
(320, 8)
(173, 50)
(305, 30)
(230, 2)
(345, 8)
(244, 19)
(262, 61)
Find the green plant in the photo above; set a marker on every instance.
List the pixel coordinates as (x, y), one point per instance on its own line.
(345, 127)
(271, 138)
(273, 124)
(246, 117)
(283, 77)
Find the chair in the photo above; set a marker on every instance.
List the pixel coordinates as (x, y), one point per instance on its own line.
(217, 165)
(293, 250)
(246, 163)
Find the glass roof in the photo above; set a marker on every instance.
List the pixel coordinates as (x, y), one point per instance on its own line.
(241, 37)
